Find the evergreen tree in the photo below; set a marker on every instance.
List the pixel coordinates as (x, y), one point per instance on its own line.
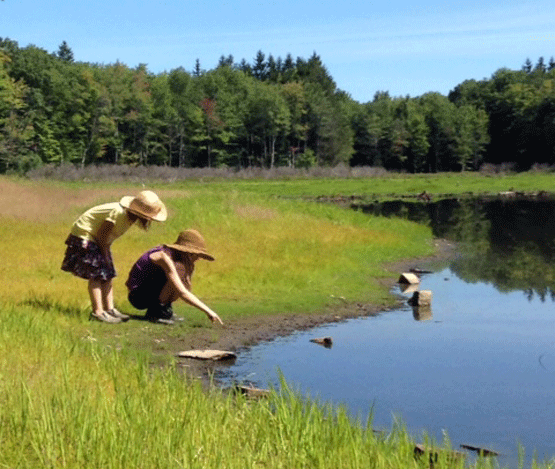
(260, 67)
(226, 61)
(65, 53)
(288, 69)
(273, 69)
(314, 71)
(245, 67)
(197, 70)
(540, 66)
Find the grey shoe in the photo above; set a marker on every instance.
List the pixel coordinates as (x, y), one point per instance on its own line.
(166, 322)
(104, 317)
(117, 314)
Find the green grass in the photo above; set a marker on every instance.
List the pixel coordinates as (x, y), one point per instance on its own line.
(76, 394)
(68, 401)
(399, 184)
(272, 255)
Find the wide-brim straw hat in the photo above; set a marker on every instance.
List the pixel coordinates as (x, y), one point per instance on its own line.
(145, 204)
(193, 242)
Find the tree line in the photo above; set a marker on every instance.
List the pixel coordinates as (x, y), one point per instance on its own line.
(271, 112)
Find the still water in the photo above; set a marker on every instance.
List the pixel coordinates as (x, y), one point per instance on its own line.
(479, 366)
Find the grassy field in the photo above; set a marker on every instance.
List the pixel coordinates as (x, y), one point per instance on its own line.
(396, 185)
(76, 394)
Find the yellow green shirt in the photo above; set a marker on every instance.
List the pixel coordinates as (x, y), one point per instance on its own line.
(89, 223)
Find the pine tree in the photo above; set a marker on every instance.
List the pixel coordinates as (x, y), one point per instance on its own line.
(225, 61)
(540, 66)
(260, 68)
(197, 70)
(273, 70)
(64, 52)
(245, 67)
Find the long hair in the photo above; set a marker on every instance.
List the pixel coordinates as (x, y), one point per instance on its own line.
(184, 265)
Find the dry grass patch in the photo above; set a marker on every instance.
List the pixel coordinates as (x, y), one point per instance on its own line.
(45, 202)
(254, 212)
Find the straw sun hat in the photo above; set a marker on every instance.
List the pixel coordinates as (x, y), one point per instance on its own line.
(146, 204)
(193, 242)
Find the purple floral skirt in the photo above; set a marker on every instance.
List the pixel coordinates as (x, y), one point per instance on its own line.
(85, 260)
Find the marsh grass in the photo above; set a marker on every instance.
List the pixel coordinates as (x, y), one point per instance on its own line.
(76, 394)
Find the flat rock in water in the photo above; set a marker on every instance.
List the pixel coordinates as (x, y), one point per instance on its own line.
(253, 393)
(409, 278)
(434, 454)
(207, 354)
(479, 450)
(325, 341)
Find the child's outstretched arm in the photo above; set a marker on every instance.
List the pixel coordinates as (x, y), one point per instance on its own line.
(163, 260)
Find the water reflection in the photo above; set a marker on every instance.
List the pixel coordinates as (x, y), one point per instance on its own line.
(422, 313)
(509, 243)
(478, 365)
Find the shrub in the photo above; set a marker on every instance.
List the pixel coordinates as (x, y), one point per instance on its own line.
(142, 174)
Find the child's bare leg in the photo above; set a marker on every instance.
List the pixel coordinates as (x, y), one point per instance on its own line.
(168, 294)
(95, 293)
(107, 295)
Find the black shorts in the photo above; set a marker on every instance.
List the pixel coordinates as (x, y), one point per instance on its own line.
(142, 298)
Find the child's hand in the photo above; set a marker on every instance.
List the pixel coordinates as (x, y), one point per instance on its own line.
(215, 318)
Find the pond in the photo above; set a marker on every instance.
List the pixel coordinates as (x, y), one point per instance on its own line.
(478, 366)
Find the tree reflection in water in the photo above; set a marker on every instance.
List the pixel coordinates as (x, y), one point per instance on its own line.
(509, 243)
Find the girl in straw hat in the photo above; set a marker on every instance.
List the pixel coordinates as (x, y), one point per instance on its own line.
(88, 253)
(163, 274)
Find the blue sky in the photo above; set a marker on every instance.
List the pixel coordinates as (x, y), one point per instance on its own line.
(406, 48)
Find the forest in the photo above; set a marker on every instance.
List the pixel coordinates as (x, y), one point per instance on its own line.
(272, 112)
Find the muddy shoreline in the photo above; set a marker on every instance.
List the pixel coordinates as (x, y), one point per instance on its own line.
(237, 336)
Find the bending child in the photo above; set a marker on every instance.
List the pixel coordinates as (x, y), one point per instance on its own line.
(88, 254)
(163, 274)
